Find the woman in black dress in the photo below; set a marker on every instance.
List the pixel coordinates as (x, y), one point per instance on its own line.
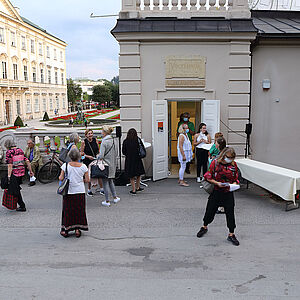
(89, 151)
(134, 167)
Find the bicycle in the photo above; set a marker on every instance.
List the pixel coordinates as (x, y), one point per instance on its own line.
(50, 171)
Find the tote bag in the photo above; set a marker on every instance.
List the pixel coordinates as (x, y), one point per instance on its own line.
(64, 186)
(142, 150)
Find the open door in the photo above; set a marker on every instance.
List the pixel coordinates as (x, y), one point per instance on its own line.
(160, 139)
(210, 115)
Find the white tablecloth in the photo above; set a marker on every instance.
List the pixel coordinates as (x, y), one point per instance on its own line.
(280, 181)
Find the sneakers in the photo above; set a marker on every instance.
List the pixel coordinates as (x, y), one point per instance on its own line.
(202, 232)
(233, 240)
(21, 209)
(198, 179)
(132, 193)
(101, 192)
(220, 211)
(140, 189)
(106, 204)
(116, 200)
(90, 193)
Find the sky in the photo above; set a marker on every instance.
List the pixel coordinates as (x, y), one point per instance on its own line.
(92, 51)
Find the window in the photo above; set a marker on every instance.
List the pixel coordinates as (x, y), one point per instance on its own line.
(56, 78)
(55, 54)
(4, 70)
(51, 104)
(34, 74)
(15, 69)
(32, 46)
(2, 35)
(48, 51)
(44, 104)
(23, 43)
(64, 103)
(36, 105)
(49, 76)
(40, 49)
(61, 56)
(42, 75)
(25, 73)
(13, 39)
(28, 106)
(18, 102)
(62, 78)
(57, 103)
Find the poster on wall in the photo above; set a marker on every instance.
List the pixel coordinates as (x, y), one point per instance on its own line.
(160, 126)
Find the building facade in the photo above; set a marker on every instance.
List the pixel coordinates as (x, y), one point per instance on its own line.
(178, 56)
(87, 85)
(32, 68)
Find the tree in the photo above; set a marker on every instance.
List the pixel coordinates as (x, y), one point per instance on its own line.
(19, 122)
(101, 94)
(113, 85)
(74, 91)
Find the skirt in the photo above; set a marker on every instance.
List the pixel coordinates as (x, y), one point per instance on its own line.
(74, 213)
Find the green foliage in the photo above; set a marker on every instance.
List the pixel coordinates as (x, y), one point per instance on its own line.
(74, 91)
(113, 85)
(46, 117)
(19, 122)
(102, 94)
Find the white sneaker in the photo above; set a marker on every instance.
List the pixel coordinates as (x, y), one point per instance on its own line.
(198, 179)
(116, 200)
(104, 203)
(101, 192)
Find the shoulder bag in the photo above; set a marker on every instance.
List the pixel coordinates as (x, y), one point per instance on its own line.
(142, 150)
(64, 186)
(63, 156)
(207, 186)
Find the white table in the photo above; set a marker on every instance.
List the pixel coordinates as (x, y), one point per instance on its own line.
(280, 181)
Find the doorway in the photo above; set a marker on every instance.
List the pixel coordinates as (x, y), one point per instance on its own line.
(8, 111)
(175, 109)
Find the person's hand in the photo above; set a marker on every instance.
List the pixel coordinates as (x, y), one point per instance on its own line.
(183, 158)
(31, 174)
(219, 184)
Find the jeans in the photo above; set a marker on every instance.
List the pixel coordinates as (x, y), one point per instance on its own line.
(215, 200)
(202, 159)
(108, 184)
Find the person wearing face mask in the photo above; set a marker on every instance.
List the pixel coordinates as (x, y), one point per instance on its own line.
(184, 151)
(223, 171)
(201, 138)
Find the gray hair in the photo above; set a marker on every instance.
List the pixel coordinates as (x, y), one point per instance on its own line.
(74, 137)
(31, 140)
(8, 144)
(74, 154)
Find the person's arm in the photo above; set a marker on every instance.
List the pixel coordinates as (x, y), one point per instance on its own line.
(86, 177)
(62, 175)
(181, 141)
(29, 168)
(192, 128)
(196, 143)
(82, 148)
(209, 175)
(9, 168)
(102, 150)
(208, 139)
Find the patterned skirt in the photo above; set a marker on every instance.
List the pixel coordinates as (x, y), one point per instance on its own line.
(73, 214)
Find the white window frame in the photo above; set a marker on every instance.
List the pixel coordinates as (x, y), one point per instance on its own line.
(13, 39)
(25, 69)
(34, 77)
(49, 76)
(48, 52)
(56, 77)
(32, 46)
(36, 105)
(2, 35)
(64, 103)
(42, 76)
(23, 41)
(15, 71)
(55, 54)
(51, 104)
(44, 104)
(4, 70)
(18, 107)
(61, 56)
(62, 78)
(57, 102)
(41, 49)
(28, 106)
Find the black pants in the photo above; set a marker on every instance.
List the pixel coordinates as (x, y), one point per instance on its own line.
(202, 160)
(19, 195)
(215, 200)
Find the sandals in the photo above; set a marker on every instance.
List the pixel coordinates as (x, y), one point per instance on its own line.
(77, 233)
(64, 234)
(184, 184)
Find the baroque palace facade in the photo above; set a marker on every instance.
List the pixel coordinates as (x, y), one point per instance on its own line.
(32, 68)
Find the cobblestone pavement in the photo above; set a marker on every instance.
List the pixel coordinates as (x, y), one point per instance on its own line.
(145, 247)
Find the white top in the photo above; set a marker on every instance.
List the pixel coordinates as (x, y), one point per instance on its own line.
(200, 137)
(187, 148)
(75, 175)
(280, 181)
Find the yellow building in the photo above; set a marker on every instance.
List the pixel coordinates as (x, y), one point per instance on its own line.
(32, 68)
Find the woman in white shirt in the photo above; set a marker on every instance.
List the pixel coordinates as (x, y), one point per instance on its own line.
(184, 151)
(74, 211)
(201, 138)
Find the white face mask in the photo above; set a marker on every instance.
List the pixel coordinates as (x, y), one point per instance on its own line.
(228, 160)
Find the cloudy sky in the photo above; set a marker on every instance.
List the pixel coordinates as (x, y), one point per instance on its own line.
(92, 51)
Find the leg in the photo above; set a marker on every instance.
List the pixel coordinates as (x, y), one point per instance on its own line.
(138, 182)
(100, 183)
(106, 189)
(181, 171)
(132, 182)
(112, 188)
(205, 160)
(198, 162)
(211, 208)
(21, 203)
(229, 211)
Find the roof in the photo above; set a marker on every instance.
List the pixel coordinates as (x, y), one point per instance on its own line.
(273, 23)
(39, 28)
(183, 25)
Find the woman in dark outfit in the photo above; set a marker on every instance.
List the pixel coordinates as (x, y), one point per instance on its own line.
(223, 171)
(134, 167)
(89, 150)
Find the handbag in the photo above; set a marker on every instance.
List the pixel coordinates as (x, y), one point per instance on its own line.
(64, 186)
(9, 201)
(99, 170)
(4, 183)
(63, 155)
(142, 150)
(207, 186)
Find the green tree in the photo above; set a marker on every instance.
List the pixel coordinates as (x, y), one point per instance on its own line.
(74, 91)
(113, 85)
(101, 94)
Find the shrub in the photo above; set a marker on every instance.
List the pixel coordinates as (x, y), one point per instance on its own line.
(19, 122)
(46, 117)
